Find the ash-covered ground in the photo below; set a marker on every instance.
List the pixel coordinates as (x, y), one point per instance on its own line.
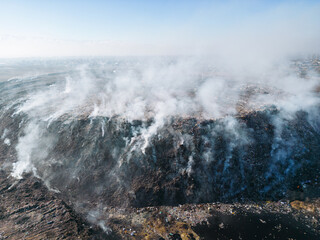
(159, 148)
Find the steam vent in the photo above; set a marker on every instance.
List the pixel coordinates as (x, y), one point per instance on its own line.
(118, 149)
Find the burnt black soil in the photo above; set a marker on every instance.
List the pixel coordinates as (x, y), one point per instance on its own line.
(254, 226)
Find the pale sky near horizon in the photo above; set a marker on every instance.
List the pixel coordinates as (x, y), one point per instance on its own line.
(139, 27)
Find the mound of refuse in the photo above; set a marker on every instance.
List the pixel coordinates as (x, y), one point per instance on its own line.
(257, 156)
(102, 145)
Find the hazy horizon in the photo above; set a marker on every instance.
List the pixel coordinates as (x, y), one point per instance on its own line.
(142, 28)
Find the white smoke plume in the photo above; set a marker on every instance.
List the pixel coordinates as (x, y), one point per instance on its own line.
(158, 89)
(260, 63)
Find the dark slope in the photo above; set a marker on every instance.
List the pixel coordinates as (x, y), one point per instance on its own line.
(29, 211)
(133, 176)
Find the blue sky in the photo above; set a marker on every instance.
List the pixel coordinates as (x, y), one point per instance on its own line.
(96, 20)
(139, 22)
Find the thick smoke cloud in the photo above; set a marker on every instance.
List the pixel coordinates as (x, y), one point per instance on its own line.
(159, 89)
(253, 65)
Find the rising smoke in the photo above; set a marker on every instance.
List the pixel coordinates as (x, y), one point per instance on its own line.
(73, 120)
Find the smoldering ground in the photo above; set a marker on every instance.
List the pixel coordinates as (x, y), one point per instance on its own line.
(235, 120)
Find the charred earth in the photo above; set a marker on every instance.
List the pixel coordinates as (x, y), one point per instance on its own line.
(252, 174)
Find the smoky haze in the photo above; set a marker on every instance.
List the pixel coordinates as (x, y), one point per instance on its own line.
(265, 61)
